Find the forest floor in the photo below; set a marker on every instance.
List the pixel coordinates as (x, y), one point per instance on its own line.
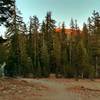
(49, 89)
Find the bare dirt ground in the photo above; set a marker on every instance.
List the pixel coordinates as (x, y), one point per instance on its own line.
(49, 89)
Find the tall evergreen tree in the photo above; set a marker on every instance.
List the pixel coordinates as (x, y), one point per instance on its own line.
(13, 62)
(64, 55)
(72, 26)
(43, 54)
(6, 11)
(58, 67)
(94, 26)
(49, 31)
(34, 44)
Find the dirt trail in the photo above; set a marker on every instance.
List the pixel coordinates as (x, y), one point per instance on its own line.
(49, 89)
(58, 91)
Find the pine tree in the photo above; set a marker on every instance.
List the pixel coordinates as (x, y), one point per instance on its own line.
(48, 35)
(72, 26)
(6, 11)
(85, 35)
(43, 54)
(94, 26)
(34, 45)
(13, 62)
(58, 67)
(30, 43)
(64, 55)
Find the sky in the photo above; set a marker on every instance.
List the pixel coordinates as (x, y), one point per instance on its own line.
(62, 10)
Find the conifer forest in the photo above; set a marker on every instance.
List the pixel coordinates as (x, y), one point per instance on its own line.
(40, 49)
